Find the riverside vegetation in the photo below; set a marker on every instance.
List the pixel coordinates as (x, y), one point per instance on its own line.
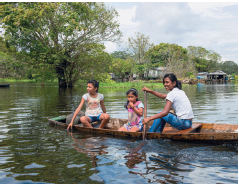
(63, 40)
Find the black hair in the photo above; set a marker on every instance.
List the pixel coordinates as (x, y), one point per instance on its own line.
(173, 78)
(94, 83)
(132, 91)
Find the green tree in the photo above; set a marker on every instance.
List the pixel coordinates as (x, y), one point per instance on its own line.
(159, 54)
(12, 64)
(229, 67)
(121, 67)
(138, 48)
(173, 57)
(205, 60)
(120, 54)
(65, 34)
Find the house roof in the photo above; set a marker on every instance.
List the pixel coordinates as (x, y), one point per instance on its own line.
(159, 68)
(218, 72)
(201, 73)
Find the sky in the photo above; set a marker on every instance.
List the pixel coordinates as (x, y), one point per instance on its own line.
(211, 25)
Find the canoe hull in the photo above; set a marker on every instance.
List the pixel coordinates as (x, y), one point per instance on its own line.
(5, 85)
(208, 132)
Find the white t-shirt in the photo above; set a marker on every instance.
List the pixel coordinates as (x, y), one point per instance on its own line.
(92, 105)
(180, 103)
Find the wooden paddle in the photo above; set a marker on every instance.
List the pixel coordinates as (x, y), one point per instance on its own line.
(145, 111)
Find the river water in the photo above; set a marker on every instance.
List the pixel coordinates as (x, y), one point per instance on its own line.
(32, 151)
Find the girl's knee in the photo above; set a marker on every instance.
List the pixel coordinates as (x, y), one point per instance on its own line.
(105, 116)
(83, 119)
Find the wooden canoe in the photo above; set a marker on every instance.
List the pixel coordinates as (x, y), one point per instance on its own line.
(203, 132)
(5, 85)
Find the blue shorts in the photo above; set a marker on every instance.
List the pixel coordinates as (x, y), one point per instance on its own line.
(94, 118)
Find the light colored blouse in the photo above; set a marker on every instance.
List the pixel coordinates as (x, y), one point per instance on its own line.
(180, 103)
(93, 107)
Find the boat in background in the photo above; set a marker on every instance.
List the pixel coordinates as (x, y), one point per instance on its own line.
(5, 85)
(201, 132)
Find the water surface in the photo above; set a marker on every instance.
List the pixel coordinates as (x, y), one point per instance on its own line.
(31, 151)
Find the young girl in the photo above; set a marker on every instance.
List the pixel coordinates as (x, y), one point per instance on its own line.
(95, 108)
(177, 99)
(135, 112)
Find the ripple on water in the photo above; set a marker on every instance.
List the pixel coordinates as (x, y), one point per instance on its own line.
(34, 166)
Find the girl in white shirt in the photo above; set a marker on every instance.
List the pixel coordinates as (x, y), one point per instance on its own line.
(95, 108)
(177, 99)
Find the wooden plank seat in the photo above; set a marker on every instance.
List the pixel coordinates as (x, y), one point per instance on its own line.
(174, 130)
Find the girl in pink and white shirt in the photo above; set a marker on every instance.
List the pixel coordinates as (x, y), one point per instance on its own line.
(135, 112)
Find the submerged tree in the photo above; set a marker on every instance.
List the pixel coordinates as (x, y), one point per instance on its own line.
(66, 35)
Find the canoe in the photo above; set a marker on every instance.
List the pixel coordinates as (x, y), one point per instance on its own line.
(201, 132)
(5, 85)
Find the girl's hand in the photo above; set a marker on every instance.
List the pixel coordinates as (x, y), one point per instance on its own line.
(131, 105)
(145, 89)
(145, 120)
(70, 126)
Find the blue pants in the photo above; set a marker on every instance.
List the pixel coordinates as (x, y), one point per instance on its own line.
(174, 121)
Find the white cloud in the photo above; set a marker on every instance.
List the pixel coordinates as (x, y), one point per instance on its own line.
(128, 25)
(213, 26)
(212, 9)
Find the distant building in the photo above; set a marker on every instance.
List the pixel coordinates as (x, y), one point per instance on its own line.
(217, 75)
(112, 75)
(157, 72)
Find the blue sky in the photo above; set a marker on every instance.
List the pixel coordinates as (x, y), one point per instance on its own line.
(213, 25)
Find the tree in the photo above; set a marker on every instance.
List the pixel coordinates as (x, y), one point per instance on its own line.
(205, 60)
(65, 34)
(120, 54)
(159, 54)
(121, 67)
(138, 47)
(229, 67)
(173, 57)
(178, 62)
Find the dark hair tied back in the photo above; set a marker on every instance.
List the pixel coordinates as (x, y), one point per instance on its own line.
(173, 78)
(94, 83)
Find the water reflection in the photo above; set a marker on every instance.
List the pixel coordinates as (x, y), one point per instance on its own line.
(156, 161)
(89, 146)
(33, 152)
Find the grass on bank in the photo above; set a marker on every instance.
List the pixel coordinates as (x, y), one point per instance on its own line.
(130, 84)
(111, 84)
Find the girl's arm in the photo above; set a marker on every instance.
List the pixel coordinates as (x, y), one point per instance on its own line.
(76, 113)
(161, 114)
(160, 95)
(103, 106)
(138, 111)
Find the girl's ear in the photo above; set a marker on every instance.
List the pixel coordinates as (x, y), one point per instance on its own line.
(174, 83)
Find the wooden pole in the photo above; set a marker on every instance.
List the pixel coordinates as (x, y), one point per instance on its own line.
(145, 111)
